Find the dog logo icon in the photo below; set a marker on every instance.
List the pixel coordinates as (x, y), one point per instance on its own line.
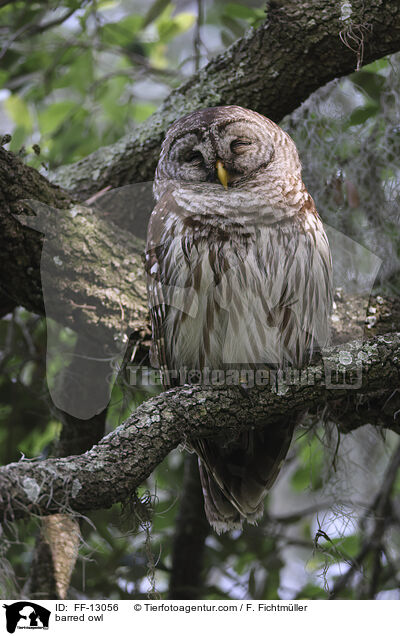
(26, 615)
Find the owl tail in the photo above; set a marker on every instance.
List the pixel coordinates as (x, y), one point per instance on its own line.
(236, 478)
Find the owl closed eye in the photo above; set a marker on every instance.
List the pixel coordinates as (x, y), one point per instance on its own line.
(243, 148)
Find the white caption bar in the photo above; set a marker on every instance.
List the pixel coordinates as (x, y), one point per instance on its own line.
(105, 617)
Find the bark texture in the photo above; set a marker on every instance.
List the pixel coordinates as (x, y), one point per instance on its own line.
(20, 249)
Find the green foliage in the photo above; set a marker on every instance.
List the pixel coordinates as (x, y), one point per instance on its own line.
(74, 86)
(310, 459)
(234, 18)
(169, 26)
(79, 84)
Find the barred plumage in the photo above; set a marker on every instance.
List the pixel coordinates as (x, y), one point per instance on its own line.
(239, 276)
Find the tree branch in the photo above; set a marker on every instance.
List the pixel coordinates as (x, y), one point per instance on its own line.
(33, 28)
(111, 471)
(99, 280)
(21, 249)
(100, 286)
(282, 57)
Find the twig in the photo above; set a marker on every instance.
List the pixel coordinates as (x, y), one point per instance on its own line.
(373, 541)
(33, 28)
(197, 43)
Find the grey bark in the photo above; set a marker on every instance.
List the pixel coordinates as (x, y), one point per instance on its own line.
(90, 270)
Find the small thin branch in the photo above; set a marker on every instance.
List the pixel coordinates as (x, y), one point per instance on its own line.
(197, 43)
(372, 543)
(40, 28)
(33, 28)
(139, 60)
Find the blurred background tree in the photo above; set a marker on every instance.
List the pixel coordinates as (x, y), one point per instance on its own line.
(77, 75)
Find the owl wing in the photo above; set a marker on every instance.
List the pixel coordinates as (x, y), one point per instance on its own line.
(155, 292)
(279, 296)
(165, 249)
(304, 299)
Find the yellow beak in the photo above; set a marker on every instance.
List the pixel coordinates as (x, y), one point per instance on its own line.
(223, 175)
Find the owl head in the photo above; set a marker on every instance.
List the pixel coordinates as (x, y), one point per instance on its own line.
(226, 145)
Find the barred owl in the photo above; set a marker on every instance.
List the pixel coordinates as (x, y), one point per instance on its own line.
(239, 278)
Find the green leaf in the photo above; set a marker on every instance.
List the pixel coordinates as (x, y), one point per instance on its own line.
(122, 33)
(240, 11)
(19, 112)
(377, 66)
(80, 73)
(311, 592)
(110, 94)
(34, 443)
(169, 27)
(348, 547)
(3, 78)
(155, 11)
(106, 4)
(143, 110)
(19, 137)
(361, 114)
(237, 28)
(243, 562)
(370, 83)
(183, 22)
(54, 115)
(311, 458)
(301, 479)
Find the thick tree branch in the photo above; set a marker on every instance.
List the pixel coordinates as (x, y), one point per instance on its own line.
(111, 471)
(273, 69)
(282, 56)
(21, 249)
(90, 270)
